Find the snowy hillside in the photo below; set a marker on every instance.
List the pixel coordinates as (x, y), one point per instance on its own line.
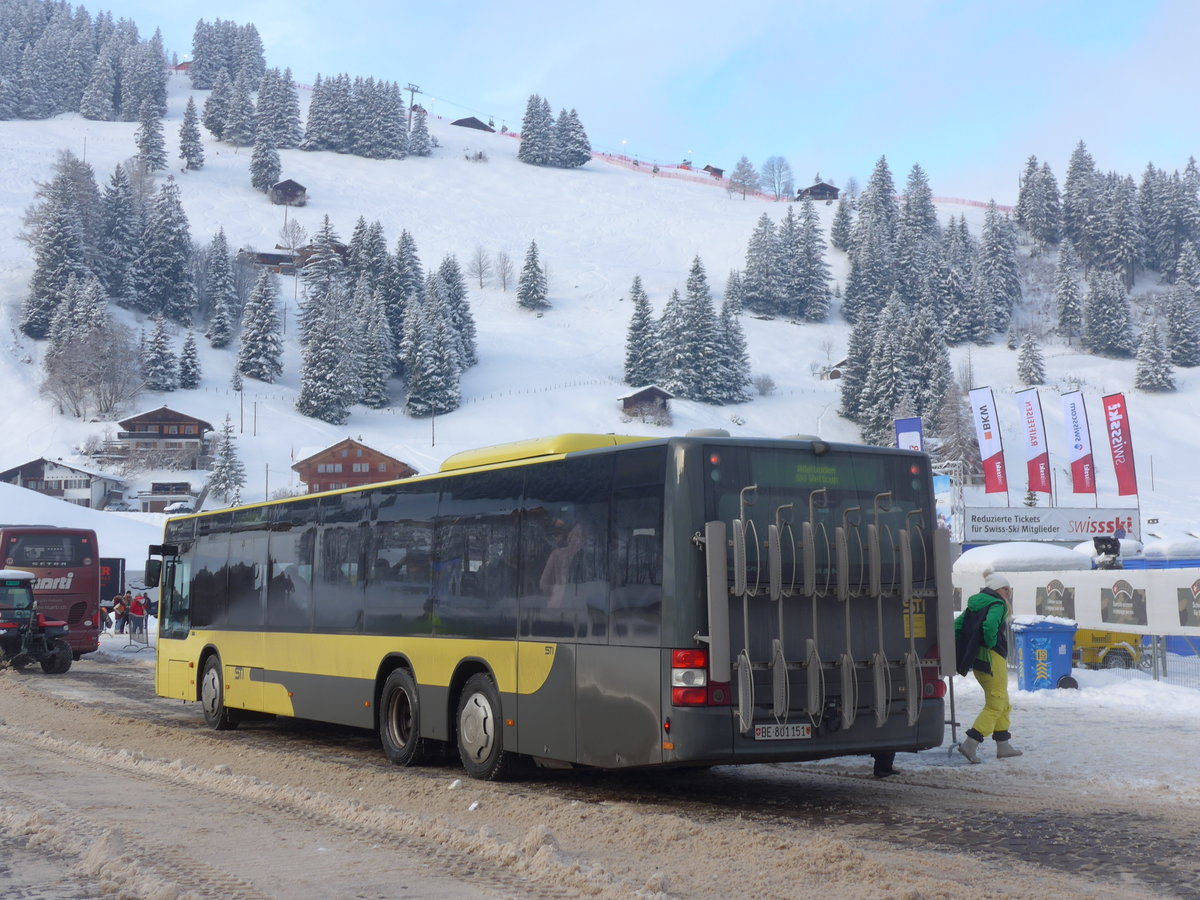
(596, 228)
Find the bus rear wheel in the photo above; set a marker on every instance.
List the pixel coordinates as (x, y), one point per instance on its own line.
(400, 719)
(212, 697)
(480, 732)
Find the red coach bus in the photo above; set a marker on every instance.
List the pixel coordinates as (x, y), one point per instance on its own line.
(66, 563)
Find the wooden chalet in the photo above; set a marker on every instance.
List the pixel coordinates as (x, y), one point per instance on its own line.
(472, 122)
(715, 172)
(349, 464)
(175, 434)
(289, 193)
(55, 478)
(649, 397)
(819, 191)
(281, 263)
(165, 493)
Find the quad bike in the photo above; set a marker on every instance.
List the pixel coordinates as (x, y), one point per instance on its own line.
(26, 635)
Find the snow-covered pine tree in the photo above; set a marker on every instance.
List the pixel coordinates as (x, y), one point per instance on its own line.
(160, 368)
(189, 364)
(641, 340)
(120, 237)
(1182, 326)
(872, 246)
(264, 163)
(734, 369)
(328, 372)
(1187, 267)
(216, 107)
(162, 273)
(572, 147)
(888, 383)
(431, 364)
(858, 366)
(220, 293)
(814, 270)
(531, 283)
(762, 286)
(536, 139)
(261, 350)
(843, 224)
(420, 142)
(1153, 369)
(151, 146)
(997, 275)
(458, 308)
(286, 113)
(400, 285)
(1078, 204)
(927, 358)
(1067, 297)
(1119, 235)
(323, 273)
(239, 116)
(319, 124)
(706, 379)
(1031, 369)
(378, 353)
(97, 103)
(191, 149)
(1107, 330)
(58, 255)
(789, 262)
(673, 345)
(249, 58)
(227, 476)
(744, 179)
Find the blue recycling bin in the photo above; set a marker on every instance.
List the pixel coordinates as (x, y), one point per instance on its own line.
(1044, 651)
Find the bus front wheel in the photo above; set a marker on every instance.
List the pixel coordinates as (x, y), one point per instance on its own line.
(480, 732)
(400, 719)
(212, 697)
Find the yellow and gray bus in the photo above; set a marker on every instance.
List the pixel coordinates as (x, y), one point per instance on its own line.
(590, 600)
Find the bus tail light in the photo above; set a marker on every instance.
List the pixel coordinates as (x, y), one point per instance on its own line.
(689, 680)
(932, 685)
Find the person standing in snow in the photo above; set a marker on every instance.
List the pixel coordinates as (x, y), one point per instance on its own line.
(981, 645)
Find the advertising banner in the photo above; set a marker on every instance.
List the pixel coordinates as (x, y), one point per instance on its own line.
(1120, 442)
(1079, 443)
(909, 435)
(991, 447)
(1037, 454)
(1034, 523)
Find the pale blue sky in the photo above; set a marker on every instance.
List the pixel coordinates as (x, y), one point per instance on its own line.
(967, 89)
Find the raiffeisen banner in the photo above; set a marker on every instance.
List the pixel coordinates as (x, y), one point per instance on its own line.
(988, 524)
(1037, 454)
(1120, 441)
(1079, 443)
(991, 447)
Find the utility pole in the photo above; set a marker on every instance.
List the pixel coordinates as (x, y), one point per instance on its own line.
(412, 89)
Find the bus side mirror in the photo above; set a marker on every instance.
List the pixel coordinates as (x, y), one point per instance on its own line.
(153, 573)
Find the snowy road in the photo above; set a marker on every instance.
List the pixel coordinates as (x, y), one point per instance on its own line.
(147, 802)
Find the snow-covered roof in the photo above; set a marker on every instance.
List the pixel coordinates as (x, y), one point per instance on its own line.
(1019, 556)
(9, 574)
(74, 468)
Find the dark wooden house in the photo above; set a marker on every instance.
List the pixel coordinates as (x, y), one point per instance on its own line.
(819, 191)
(163, 430)
(715, 172)
(289, 193)
(472, 122)
(649, 397)
(349, 464)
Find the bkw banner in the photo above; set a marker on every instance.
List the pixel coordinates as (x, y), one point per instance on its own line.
(991, 446)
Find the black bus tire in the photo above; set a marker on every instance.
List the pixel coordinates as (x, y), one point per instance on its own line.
(400, 719)
(212, 697)
(480, 731)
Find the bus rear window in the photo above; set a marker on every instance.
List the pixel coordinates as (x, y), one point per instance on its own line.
(48, 551)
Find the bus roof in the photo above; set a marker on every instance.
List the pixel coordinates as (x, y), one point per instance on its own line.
(557, 445)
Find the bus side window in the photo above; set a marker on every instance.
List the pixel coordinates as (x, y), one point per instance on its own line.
(637, 568)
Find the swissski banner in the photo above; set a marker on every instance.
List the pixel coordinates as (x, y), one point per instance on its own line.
(991, 448)
(1120, 442)
(1037, 454)
(1079, 443)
